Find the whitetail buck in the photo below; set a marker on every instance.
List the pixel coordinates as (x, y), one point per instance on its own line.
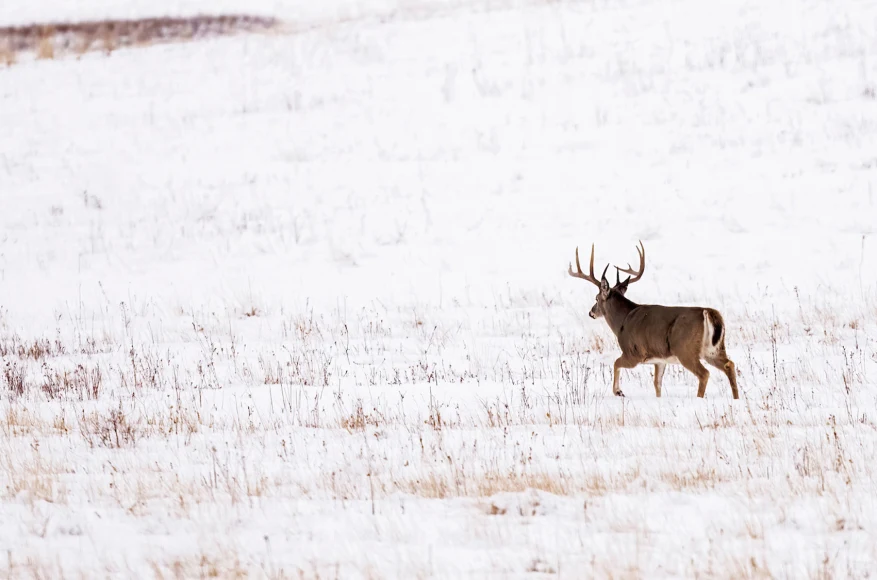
(654, 334)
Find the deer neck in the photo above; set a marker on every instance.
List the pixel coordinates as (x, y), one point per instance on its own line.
(617, 309)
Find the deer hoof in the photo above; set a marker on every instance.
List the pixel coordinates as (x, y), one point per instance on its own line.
(618, 394)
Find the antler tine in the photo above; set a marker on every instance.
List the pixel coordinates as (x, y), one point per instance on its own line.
(636, 274)
(579, 274)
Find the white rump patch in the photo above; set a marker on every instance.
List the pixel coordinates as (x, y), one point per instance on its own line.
(706, 348)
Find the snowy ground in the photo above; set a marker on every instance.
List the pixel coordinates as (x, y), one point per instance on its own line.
(297, 305)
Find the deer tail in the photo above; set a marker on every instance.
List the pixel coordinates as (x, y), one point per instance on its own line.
(712, 321)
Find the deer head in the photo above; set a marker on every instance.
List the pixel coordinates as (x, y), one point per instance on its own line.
(606, 292)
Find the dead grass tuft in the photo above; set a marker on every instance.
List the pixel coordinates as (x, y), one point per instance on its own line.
(36, 349)
(223, 564)
(82, 382)
(15, 375)
(360, 419)
(7, 55)
(46, 46)
(32, 478)
(446, 485)
(19, 421)
(112, 430)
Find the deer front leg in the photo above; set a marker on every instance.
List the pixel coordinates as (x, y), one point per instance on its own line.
(623, 362)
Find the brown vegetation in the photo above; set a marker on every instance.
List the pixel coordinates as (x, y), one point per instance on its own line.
(58, 39)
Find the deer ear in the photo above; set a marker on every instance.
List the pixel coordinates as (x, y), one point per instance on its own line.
(622, 286)
(604, 283)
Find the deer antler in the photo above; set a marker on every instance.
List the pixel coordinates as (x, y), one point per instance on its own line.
(636, 275)
(590, 276)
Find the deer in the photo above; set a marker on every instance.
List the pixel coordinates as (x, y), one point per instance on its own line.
(656, 334)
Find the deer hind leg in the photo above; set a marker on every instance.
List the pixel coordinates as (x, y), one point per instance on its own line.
(721, 361)
(695, 366)
(623, 362)
(659, 377)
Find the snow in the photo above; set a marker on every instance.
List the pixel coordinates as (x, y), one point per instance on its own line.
(322, 275)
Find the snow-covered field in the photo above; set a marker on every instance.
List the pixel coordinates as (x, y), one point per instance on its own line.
(296, 305)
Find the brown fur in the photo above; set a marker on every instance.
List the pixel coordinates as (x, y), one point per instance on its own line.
(658, 333)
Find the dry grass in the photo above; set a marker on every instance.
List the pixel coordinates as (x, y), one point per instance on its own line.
(83, 381)
(15, 377)
(219, 564)
(360, 419)
(364, 416)
(50, 40)
(35, 349)
(32, 477)
(7, 56)
(113, 429)
(443, 485)
(46, 46)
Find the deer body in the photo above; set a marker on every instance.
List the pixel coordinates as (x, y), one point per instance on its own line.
(659, 335)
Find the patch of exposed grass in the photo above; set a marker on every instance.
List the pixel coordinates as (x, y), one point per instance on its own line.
(51, 40)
